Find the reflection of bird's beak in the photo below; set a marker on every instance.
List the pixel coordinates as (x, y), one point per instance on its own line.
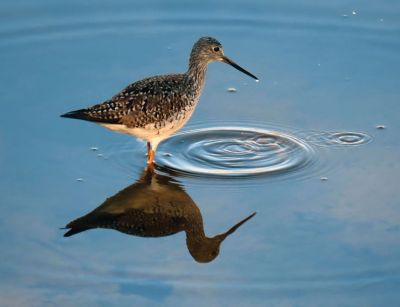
(230, 62)
(223, 236)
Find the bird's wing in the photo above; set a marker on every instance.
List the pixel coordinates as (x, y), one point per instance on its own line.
(137, 102)
(151, 99)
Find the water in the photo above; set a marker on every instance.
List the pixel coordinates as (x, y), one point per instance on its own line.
(326, 83)
(233, 151)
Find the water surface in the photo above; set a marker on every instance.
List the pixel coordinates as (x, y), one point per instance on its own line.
(328, 78)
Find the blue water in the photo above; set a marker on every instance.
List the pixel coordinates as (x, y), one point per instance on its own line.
(326, 234)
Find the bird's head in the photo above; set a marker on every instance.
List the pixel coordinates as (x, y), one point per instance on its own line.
(208, 49)
(206, 249)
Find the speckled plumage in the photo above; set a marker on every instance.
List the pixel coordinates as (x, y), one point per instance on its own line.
(149, 101)
(154, 108)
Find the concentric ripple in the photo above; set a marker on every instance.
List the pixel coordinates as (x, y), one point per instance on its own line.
(233, 151)
(338, 138)
(349, 138)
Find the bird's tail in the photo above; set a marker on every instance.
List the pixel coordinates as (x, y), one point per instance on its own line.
(92, 115)
(76, 226)
(77, 114)
(74, 231)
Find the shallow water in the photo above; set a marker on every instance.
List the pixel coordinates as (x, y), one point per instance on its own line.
(228, 151)
(321, 176)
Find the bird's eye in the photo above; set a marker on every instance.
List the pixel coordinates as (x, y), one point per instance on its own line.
(216, 49)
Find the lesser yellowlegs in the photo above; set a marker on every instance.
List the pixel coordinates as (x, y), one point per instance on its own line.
(154, 108)
(155, 206)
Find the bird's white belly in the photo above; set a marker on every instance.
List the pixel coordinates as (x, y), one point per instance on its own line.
(150, 133)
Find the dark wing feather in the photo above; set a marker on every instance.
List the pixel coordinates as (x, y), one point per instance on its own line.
(139, 103)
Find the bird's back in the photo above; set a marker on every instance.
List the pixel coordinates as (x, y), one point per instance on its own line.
(151, 100)
(154, 206)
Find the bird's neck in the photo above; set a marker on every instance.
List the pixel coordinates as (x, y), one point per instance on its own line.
(195, 228)
(195, 238)
(196, 74)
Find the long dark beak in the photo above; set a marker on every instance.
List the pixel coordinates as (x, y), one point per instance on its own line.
(223, 236)
(230, 62)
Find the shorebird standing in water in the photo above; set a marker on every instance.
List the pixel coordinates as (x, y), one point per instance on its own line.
(154, 108)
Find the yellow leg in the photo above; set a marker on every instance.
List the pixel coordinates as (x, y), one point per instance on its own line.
(150, 154)
(150, 159)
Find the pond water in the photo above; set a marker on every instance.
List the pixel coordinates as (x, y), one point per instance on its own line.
(313, 149)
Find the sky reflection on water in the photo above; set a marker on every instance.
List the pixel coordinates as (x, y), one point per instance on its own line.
(313, 242)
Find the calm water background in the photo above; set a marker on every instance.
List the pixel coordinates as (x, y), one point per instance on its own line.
(322, 68)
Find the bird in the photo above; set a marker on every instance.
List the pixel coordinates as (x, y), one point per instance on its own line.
(154, 108)
(155, 206)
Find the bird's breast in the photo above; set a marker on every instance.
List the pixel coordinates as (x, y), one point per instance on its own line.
(157, 130)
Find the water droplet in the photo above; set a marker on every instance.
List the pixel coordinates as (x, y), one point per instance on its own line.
(354, 13)
(94, 148)
(100, 155)
(231, 89)
(380, 127)
(345, 15)
(79, 179)
(323, 178)
(167, 154)
(257, 80)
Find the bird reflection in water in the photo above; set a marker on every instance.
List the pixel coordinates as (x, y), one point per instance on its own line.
(155, 206)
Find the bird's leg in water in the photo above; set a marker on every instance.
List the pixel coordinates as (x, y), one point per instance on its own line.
(150, 154)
